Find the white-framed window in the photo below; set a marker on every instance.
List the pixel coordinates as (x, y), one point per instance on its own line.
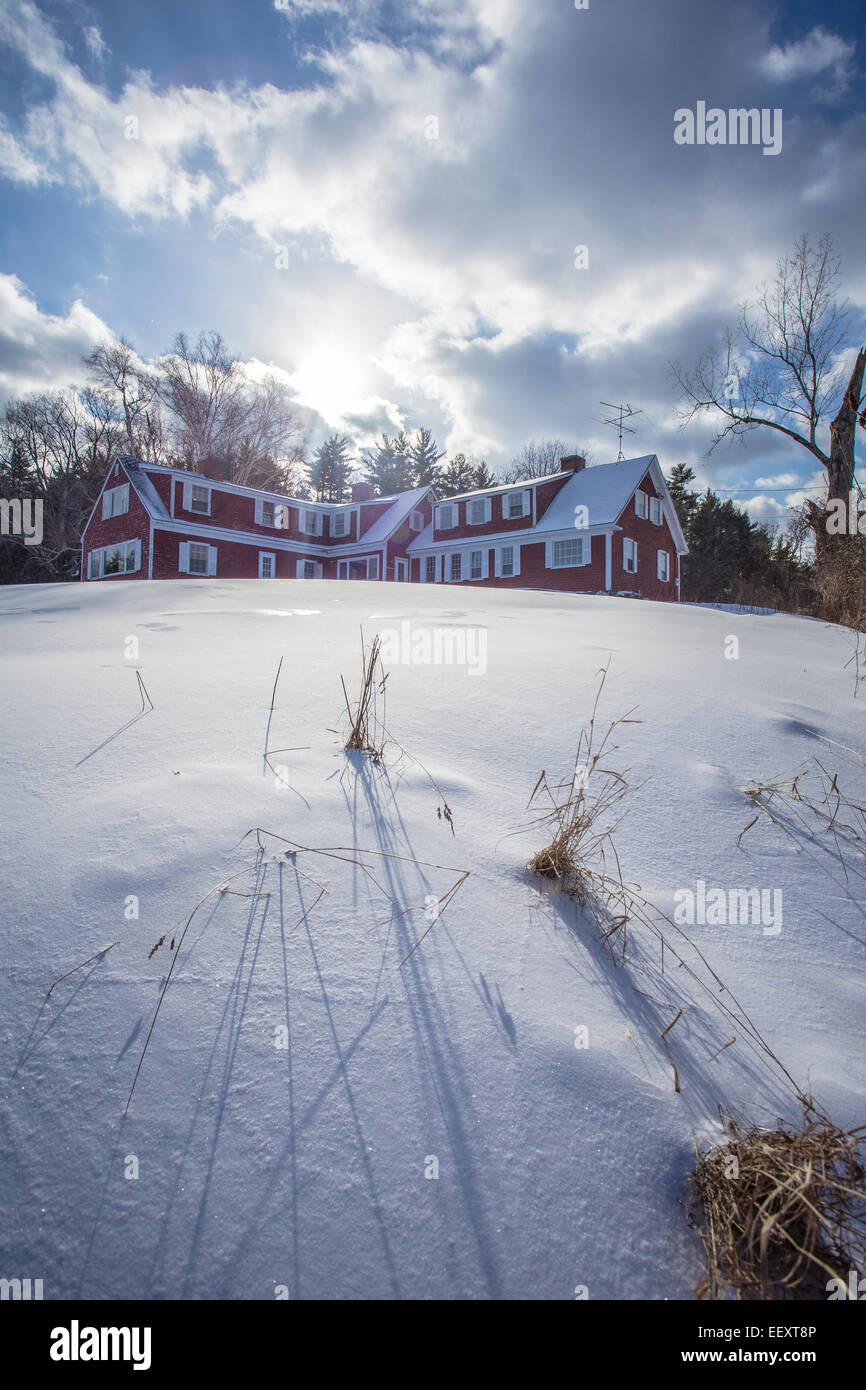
(664, 566)
(416, 521)
(196, 498)
(629, 555)
(563, 554)
(363, 567)
(640, 504)
(446, 516)
(196, 557)
(267, 564)
(508, 561)
(515, 504)
(115, 501)
(123, 558)
(311, 522)
(431, 569)
(655, 511)
(476, 564)
(308, 569)
(455, 567)
(267, 513)
(339, 524)
(478, 511)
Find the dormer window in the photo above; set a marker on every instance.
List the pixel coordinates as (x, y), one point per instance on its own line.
(115, 501)
(311, 522)
(445, 518)
(416, 521)
(340, 524)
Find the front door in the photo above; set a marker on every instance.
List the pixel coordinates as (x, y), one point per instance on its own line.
(401, 569)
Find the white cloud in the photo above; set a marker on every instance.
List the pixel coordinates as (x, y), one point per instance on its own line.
(40, 351)
(816, 53)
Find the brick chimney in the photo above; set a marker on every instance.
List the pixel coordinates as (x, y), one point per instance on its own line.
(572, 463)
(362, 492)
(216, 469)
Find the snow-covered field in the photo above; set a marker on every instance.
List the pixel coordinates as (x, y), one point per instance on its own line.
(306, 1082)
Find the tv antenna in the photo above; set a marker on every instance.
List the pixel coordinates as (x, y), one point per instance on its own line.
(624, 412)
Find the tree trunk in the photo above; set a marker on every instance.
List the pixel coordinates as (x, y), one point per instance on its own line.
(840, 472)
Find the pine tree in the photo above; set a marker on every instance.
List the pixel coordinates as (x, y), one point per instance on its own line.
(459, 476)
(482, 477)
(388, 467)
(684, 499)
(424, 460)
(329, 471)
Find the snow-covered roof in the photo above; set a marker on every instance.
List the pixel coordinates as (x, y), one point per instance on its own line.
(604, 490)
(505, 487)
(153, 503)
(383, 526)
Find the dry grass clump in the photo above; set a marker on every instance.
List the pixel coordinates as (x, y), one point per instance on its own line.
(366, 721)
(583, 815)
(781, 1211)
(809, 800)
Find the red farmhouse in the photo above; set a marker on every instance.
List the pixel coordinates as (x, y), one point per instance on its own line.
(610, 529)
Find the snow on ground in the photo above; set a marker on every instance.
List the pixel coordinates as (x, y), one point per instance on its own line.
(305, 1080)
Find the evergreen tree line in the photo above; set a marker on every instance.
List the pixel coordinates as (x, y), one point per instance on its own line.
(732, 559)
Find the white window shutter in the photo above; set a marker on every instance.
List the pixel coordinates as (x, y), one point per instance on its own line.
(187, 497)
(105, 504)
(183, 558)
(299, 569)
(548, 555)
(505, 506)
(258, 511)
(527, 502)
(211, 559)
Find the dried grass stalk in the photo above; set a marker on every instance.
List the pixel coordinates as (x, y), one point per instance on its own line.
(780, 1211)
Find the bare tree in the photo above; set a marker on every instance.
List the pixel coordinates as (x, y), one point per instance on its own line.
(216, 410)
(117, 370)
(58, 445)
(539, 458)
(781, 368)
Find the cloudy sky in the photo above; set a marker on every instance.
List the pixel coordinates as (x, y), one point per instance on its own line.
(381, 200)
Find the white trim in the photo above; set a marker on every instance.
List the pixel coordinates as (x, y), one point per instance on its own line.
(450, 557)
(641, 504)
(268, 555)
(655, 511)
(416, 520)
(300, 566)
(109, 496)
(344, 517)
(484, 551)
(584, 552)
(608, 560)
(453, 513)
(98, 553)
(187, 497)
(525, 502)
(372, 561)
(304, 514)
(486, 510)
(183, 562)
(663, 556)
(628, 542)
(404, 561)
(515, 547)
